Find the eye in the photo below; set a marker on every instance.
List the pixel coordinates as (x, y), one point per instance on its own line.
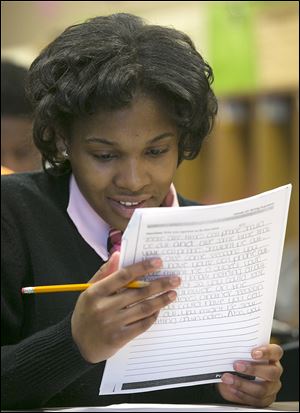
(155, 152)
(105, 157)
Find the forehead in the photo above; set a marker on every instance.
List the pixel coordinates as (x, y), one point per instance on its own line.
(145, 117)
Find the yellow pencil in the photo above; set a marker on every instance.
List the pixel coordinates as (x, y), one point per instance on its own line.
(72, 287)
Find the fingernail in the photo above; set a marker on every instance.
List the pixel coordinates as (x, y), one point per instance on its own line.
(257, 354)
(174, 281)
(172, 295)
(156, 263)
(240, 367)
(227, 379)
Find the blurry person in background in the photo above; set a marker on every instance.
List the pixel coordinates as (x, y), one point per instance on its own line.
(18, 152)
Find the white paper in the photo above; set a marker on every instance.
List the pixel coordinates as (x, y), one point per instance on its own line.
(152, 407)
(228, 257)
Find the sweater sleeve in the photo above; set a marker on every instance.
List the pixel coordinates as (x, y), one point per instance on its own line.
(40, 366)
(34, 367)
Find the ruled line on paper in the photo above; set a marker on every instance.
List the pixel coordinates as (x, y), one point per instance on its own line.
(207, 351)
(202, 332)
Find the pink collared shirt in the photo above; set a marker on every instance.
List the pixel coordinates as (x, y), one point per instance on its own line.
(93, 229)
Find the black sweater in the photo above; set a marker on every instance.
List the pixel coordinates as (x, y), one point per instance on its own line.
(40, 363)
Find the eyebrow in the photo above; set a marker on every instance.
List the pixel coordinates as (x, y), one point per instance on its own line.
(93, 139)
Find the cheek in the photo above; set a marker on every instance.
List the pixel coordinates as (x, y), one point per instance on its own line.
(168, 174)
(170, 166)
(91, 181)
(86, 169)
(162, 177)
(95, 184)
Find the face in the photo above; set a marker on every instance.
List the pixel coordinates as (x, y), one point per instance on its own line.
(124, 159)
(18, 152)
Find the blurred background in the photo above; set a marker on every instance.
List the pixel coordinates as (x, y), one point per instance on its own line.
(253, 48)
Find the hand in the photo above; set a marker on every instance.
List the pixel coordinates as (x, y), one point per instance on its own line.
(260, 394)
(107, 315)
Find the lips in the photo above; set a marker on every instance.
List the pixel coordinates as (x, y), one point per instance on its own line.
(125, 207)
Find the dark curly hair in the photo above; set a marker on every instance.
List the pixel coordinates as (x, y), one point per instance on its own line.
(103, 63)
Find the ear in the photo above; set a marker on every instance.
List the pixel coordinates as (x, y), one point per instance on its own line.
(62, 145)
(108, 268)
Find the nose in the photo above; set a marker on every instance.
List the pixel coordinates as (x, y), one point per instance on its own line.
(132, 175)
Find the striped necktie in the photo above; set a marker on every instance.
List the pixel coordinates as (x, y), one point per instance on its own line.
(114, 241)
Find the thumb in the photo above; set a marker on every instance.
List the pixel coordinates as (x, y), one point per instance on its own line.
(108, 268)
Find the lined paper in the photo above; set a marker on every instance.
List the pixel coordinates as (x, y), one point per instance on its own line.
(228, 257)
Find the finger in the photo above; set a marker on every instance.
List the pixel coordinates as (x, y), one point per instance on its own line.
(120, 278)
(270, 352)
(146, 308)
(131, 331)
(270, 371)
(235, 395)
(106, 269)
(250, 390)
(257, 389)
(131, 296)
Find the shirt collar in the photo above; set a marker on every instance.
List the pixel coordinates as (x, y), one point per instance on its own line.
(171, 199)
(93, 229)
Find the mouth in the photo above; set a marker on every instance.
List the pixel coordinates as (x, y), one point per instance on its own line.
(125, 207)
(129, 204)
